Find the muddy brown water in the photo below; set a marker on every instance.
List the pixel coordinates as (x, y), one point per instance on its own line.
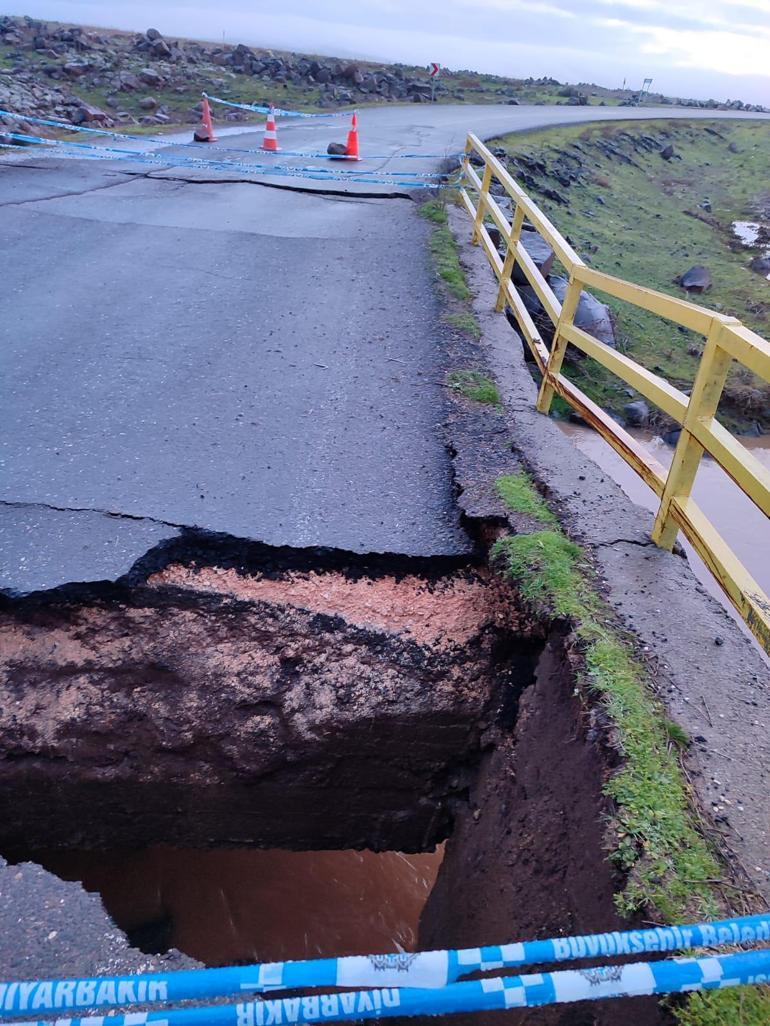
(237, 906)
(735, 516)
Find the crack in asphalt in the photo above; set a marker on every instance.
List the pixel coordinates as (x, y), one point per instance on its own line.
(66, 195)
(625, 541)
(307, 190)
(140, 518)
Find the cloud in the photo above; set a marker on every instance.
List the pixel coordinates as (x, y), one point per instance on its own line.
(699, 48)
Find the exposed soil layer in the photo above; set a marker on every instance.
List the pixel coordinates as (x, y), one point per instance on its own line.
(526, 856)
(209, 707)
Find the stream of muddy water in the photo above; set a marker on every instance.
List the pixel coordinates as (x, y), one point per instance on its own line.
(737, 519)
(228, 907)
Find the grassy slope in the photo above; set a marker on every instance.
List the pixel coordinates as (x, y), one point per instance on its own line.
(631, 222)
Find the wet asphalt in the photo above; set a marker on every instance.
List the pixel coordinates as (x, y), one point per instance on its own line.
(179, 350)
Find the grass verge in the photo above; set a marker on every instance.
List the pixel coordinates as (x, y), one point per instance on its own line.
(445, 255)
(474, 385)
(668, 864)
(520, 495)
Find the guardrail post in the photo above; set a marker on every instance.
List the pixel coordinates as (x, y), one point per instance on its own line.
(704, 400)
(466, 158)
(559, 346)
(510, 256)
(482, 207)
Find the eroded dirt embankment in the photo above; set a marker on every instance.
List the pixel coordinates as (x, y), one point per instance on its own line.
(527, 855)
(298, 709)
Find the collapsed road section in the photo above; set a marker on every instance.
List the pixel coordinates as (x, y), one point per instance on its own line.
(232, 695)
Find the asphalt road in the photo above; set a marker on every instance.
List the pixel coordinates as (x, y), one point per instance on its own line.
(248, 360)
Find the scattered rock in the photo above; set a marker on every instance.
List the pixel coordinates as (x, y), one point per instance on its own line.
(761, 264)
(637, 413)
(151, 77)
(148, 103)
(85, 112)
(152, 34)
(337, 149)
(697, 279)
(668, 152)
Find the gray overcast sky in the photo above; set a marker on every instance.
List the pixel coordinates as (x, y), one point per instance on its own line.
(701, 48)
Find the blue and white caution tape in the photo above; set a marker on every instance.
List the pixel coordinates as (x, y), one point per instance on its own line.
(669, 976)
(82, 151)
(209, 162)
(278, 111)
(166, 141)
(425, 970)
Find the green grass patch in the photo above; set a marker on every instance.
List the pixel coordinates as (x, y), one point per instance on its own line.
(445, 255)
(474, 385)
(742, 1006)
(434, 210)
(465, 322)
(444, 251)
(647, 220)
(520, 495)
(669, 865)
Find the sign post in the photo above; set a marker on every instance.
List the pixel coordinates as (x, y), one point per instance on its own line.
(434, 70)
(644, 90)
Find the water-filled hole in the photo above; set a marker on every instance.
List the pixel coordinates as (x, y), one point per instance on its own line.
(231, 906)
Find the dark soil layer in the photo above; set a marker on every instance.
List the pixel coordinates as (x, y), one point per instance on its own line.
(526, 856)
(210, 708)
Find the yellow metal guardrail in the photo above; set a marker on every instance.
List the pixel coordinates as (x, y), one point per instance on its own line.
(726, 340)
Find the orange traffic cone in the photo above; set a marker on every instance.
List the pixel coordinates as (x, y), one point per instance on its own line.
(270, 141)
(205, 132)
(352, 144)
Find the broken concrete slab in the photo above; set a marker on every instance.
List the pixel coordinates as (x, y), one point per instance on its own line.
(42, 548)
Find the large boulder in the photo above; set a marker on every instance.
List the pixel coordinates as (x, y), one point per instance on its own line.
(76, 69)
(85, 112)
(592, 315)
(697, 279)
(160, 48)
(637, 413)
(541, 253)
(151, 77)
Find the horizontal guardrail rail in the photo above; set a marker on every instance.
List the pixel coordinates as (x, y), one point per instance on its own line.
(726, 340)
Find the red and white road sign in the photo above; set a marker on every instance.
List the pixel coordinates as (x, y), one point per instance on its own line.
(433, 69)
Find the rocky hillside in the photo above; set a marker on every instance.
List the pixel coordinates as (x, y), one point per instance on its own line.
(118, 78)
